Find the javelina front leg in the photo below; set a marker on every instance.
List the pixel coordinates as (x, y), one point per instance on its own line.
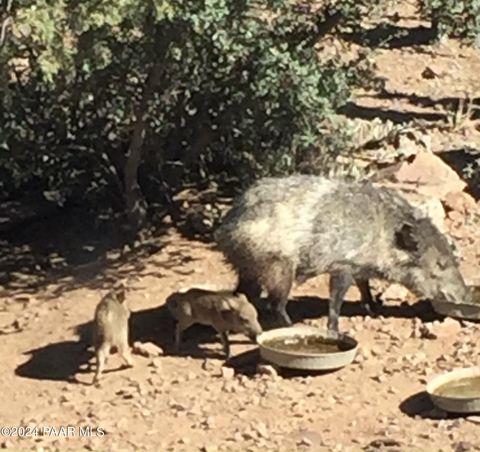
(250, 288)
(339, 284)
(279, 281)
(180, 327)
(225, 343)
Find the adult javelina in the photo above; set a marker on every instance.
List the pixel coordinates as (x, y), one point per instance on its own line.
(223, 310)
(299, 226)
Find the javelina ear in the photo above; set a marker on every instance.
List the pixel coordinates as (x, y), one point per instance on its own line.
(405, 238)
(226, 312)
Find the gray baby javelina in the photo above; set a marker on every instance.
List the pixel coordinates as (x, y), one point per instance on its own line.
(111, 328)
(296, 227)
(223, 310)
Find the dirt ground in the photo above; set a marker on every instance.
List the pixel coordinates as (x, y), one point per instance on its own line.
(196, 401)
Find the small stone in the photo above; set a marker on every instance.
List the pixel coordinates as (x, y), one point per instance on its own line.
(177, 406)
(64, 398)
(449, 328)
(304, 442)
(446, 329)
(249, 434)
(426, 332)
(195, 410)
(147, 349)
(262, 430)
(212, 365)
(209, 422)
(191, 376)
(428, 73)
(459, 201)
(266, 369)
(238, 437)
(359, 358)
(378, 378)
(382, 443)
(228, 372)
(457, 218)
(156, 363)
(229, 386)
(432, 176)
(474, 419)
(209, 449)
(464, 446)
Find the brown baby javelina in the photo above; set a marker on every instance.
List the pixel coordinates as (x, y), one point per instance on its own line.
(111, 328)
(223, 310)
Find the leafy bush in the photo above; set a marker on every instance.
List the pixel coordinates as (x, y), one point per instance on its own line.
(178, 91)
(458, 18)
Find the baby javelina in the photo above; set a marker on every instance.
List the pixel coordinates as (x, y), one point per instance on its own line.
(111, 328)
(224, 310)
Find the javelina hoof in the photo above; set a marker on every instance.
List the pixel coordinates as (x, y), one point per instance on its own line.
(285, 319)
(272, 318)
(281, 319)
(372, 309)
(333, 334)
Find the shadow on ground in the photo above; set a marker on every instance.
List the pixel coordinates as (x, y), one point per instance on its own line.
(58, 361)
(312, 307)
(69, 251)
(419, 405)
(246, 363)
(449, 104)
(64, 360)
(391, 36)
(460, 160)
(353, 110)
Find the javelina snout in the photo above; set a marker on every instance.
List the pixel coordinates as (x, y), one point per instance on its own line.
(428, 267)
(247, 317)
(224, 311)
(297, 227)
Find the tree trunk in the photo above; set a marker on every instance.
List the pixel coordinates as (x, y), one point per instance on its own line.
(135, 201)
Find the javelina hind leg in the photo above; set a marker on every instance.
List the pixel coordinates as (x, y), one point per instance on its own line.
(102, 354)
(179, 329)
(126, 354)
(339, 284)
(369, 304)
(278, 283)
